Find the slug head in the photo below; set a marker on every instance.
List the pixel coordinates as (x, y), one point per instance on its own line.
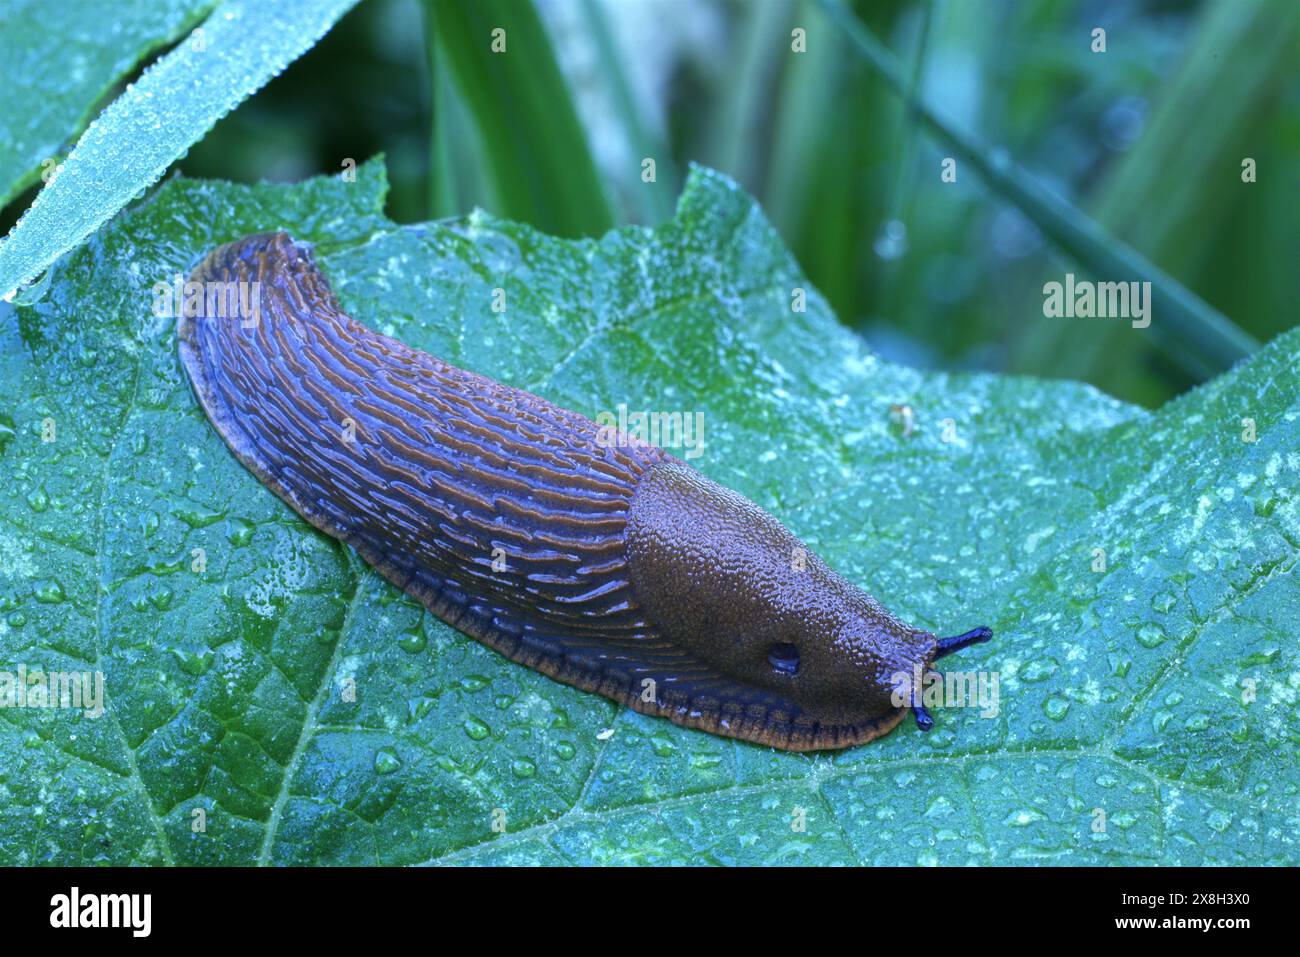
(727, 581)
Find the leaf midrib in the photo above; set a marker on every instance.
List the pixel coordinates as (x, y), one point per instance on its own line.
(309, 722)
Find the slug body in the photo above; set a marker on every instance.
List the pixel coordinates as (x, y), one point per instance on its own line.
(610, 566)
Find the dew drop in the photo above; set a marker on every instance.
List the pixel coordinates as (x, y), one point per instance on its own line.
(412, 642)
(891, 243)
(565, 751)
(1022, 818)
(1040, 670)
(239, 532)
(1219, 820)
(50, 592)
(192, 663)
(198, 517)
(37, 500)
(161, 598)
(1163, 601)
(1151, 636)
(386, 762)
(417, 708)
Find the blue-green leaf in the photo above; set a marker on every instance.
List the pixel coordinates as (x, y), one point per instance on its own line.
(280, 704)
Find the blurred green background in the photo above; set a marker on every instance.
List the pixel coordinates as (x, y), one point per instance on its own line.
(1147, 139)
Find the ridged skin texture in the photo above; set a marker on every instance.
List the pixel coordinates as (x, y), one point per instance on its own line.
(611, 567)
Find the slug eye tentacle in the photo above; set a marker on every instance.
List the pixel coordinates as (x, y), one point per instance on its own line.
(947, 646)
(956, 643)
(924, 721)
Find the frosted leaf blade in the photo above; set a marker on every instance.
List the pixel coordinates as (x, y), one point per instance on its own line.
(140, 134)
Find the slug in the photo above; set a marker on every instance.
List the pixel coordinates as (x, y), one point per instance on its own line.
(610, 566)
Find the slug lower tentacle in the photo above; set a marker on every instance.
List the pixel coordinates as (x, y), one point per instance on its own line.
(610, 566)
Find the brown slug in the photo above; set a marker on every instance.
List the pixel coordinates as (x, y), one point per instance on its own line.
(609, 566)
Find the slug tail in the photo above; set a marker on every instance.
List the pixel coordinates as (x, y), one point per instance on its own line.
(956, 643)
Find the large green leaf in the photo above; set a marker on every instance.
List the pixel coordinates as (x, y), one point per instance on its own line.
(1123, 691)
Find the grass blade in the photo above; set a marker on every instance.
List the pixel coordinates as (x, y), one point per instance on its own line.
(535, 147)
(61, 59)
(1199, 336)
(130, 145)
(445, 189)
(656, 200)
(762, 43)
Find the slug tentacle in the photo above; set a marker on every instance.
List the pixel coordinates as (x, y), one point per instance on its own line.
(923, 719)
(956, 643)
(609, 566)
